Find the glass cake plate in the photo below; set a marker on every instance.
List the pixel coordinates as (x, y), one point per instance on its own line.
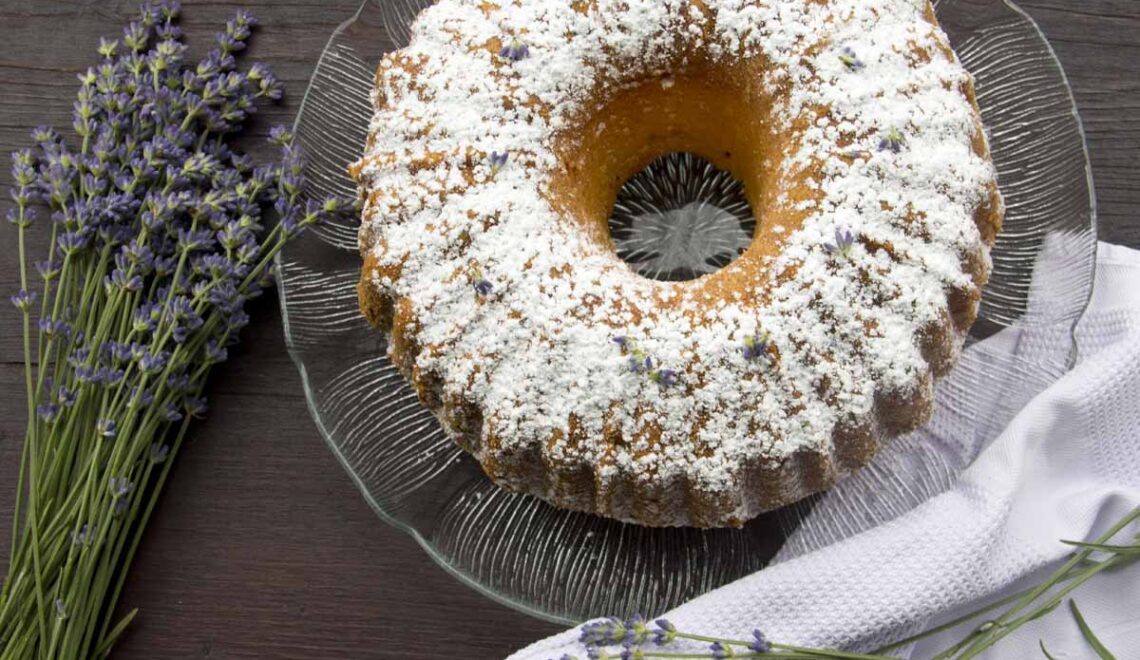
(676, 220)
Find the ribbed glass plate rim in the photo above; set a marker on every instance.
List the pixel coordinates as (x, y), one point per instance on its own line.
(296, 352)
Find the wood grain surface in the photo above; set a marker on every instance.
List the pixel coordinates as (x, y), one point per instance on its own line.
(261, 547)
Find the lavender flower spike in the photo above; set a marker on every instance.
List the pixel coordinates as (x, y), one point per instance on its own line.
(844, 242)
(515, 50)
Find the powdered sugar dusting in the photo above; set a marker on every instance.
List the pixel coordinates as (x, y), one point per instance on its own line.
(537, 348)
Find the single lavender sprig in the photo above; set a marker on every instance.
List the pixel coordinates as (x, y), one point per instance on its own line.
(1019, 609)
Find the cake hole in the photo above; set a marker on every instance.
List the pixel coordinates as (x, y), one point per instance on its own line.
(681, 218)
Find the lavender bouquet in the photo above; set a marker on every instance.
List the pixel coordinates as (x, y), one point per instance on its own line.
(157, 240)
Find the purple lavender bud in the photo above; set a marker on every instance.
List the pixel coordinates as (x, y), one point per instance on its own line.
(171, 413)
(23, 300)
(85, 374)
(721, 651)
(48, 269)
(179, 382)
(498, 161)
(515, 50)
(44, 135)
(164, 266)
(135, 36)
(605, 632)
(66, 397)
(159, 452)
(281, 136)
(168, 31)
(118, 352)
(636, 630)
(153, 363)
(756, 346)
(634, 364)
(108, 375)
(79, 355)
(844, 242)
(244, 18)
(665, 633)
(143, 319)
(106, 428)
(120, 486)
(237, 320)
(893, 141)
(215, 353)
(139, 254)
(665, 377)
(48, 412)
(620, 340)
(169, 9)
(71, 242)
(483, 288)
(53, 328)
(22, 218)
(119, 280)
(195, 406)
(85, 534)
(850, 60)
(760, 643)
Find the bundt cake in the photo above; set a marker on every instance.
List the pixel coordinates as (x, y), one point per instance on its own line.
(501, 136)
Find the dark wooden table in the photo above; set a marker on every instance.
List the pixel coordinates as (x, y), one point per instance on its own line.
(262, 547)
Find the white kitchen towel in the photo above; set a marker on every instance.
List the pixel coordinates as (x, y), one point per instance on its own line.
(1064, 465)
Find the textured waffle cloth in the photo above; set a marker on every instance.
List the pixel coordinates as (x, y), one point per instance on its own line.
(1064, 464)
